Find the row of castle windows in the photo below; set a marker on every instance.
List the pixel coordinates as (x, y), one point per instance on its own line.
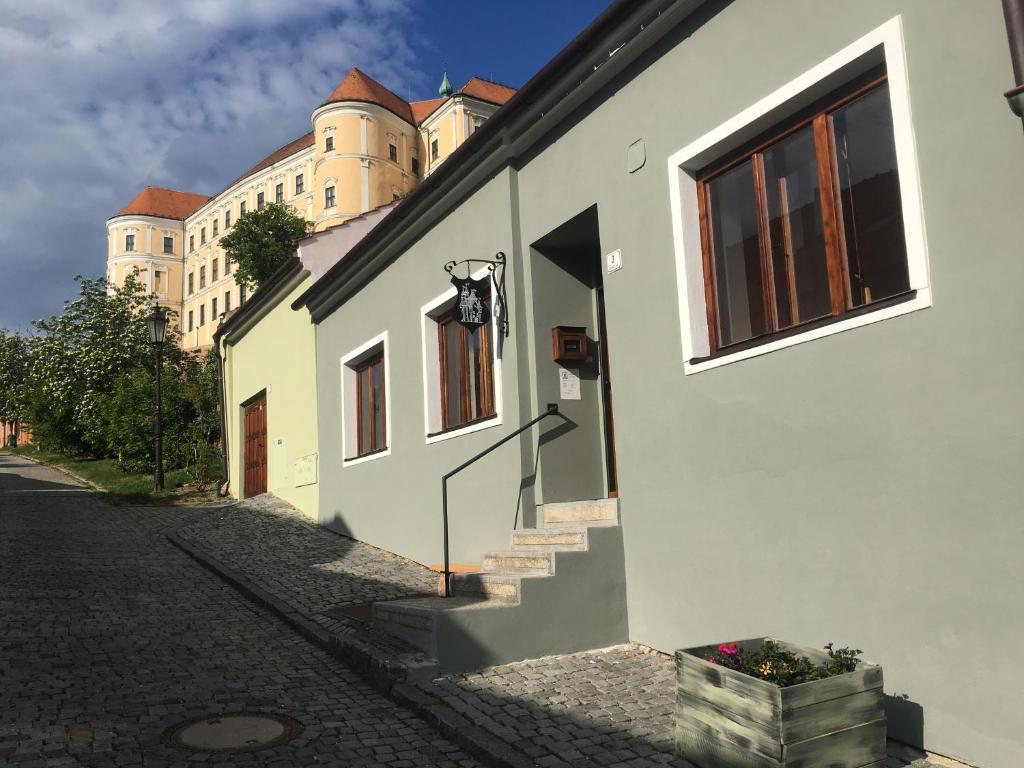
(261, 203)
(129, 242)
(213, 308)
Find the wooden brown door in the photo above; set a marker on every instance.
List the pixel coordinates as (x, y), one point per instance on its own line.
(606, 384)
(256, 447)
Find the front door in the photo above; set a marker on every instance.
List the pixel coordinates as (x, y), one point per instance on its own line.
(606, 391)
(255, 465)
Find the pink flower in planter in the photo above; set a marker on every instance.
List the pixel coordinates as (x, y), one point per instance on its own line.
(729, 649)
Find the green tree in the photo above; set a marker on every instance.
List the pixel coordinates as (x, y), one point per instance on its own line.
(262, 240)
(13, 366)
(78, 356)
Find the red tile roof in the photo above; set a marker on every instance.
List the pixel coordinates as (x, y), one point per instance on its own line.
(306, 140)
(421, 110)
(358, 86)
(166, 203)
(487, 90)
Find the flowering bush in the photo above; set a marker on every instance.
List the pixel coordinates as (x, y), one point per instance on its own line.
(783, 668)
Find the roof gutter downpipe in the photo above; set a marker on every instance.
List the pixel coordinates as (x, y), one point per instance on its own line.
(222, 489)
(1013, 13)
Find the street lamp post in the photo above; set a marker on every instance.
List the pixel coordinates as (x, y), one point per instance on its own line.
(156, 323)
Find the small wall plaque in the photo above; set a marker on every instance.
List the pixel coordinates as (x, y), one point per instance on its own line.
(569, 384)
(614, 261)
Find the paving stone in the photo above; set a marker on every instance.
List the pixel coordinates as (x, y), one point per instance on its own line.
(110, 635)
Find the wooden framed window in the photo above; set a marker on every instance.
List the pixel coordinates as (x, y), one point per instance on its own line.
(467, 376)
(804, 226)
(279, 193)
(371, 406)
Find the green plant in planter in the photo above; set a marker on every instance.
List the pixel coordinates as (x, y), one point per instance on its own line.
(775, 664)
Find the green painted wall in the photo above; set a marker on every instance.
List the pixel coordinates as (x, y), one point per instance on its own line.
(860, 488)
(277, 355)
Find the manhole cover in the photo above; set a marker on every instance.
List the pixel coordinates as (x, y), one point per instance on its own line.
(236, 732)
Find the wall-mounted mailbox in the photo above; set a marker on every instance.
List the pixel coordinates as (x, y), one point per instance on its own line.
(568, 344)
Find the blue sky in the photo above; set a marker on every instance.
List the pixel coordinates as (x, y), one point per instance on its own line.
(103, 97)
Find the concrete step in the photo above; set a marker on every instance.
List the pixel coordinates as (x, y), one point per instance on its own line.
(520, 560)
(504, 586)
(566, 539)
(415, 620)
(581, 513)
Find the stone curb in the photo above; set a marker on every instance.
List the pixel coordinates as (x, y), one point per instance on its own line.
(392, 680)
(89, 485)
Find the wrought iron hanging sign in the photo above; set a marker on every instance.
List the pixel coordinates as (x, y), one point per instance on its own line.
(471, 307)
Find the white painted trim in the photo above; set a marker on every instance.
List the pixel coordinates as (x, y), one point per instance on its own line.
(686, 162)
(347, 382)
(432, 374)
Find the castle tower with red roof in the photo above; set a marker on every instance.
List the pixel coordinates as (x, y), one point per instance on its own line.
(368, 148)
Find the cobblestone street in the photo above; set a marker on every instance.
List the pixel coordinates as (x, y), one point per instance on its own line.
(109, 635)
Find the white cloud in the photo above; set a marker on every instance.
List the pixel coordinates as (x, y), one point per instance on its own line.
(102, 97)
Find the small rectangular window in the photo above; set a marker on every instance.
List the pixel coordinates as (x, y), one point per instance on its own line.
(415, 165)
(241, 208)
(129, 243)
(227, 219)
(213, 308)
(191, 242)
(435, 151)
(191, 283)
(202, 236)
(216, 225)
(392, 153)
(227, 302)
(329, 144)
(241, 295)
(202, 277)
(371, 408)
(260, 201)
(227, 265)
(168, 244)
(202, 315)
(298, 184)
(214, 269)
(279, 193)
(467, 381)
(329, 197)
(158, 281)
(191, 318)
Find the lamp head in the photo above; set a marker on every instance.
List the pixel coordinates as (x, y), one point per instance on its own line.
(156, 324)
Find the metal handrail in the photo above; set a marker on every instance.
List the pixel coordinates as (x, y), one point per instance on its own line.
(552, 410)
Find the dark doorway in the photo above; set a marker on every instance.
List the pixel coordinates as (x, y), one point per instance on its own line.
(255, 421)
(568, 290)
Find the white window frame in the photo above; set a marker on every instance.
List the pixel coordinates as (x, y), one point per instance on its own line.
(349, 420)
(432, 422)
(684, 165)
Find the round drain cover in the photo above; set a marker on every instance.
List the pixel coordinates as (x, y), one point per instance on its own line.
(235, 732)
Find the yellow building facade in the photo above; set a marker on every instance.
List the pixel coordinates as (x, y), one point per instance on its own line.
(367, 148)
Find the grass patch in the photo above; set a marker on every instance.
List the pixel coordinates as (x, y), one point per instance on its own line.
(119, 487)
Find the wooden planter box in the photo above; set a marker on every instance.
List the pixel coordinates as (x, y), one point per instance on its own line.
(725, 719)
